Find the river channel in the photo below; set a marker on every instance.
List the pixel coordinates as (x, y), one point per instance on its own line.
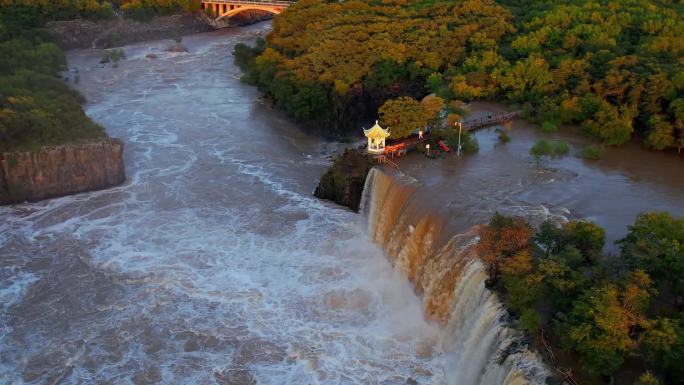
(214, 264)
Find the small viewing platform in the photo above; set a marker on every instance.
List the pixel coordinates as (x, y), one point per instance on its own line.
(384, 149)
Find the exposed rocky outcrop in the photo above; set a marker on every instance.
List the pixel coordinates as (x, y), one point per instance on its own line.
(344, 181)
(71, 34)
(177, 47)
(60, 170)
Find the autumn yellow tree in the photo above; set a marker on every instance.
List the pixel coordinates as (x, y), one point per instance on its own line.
(403, 116)
(433, 106)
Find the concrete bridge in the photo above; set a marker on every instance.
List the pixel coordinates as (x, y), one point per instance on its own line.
(223, 9)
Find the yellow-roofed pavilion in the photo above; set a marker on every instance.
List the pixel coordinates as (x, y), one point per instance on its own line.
(376, 138)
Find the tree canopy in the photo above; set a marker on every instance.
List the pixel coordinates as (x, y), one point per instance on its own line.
(403, 116)
(36, 107)
(615, 69)
(361, 53)
(612, 312)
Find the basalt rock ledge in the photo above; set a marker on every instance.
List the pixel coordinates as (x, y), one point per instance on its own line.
(53, 171)
(343, 183)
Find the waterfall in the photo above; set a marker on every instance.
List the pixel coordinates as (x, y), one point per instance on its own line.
(446, 272)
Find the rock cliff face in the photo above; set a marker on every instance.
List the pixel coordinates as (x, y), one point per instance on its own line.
(71, 34)
(344, 181)
(60, 170)
(116, 32)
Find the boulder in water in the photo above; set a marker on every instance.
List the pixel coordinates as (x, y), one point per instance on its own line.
(177, 47)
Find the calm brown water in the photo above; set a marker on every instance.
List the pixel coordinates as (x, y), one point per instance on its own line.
(214, 264)
(504, 177)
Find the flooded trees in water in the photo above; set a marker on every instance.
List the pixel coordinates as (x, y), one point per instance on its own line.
(503, 240)
(605, 309)
(545, 149)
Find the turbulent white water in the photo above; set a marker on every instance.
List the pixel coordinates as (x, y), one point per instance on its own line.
(213, 263)
(452, 282)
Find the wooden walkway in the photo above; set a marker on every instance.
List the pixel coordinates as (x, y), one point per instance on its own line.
(410, 142)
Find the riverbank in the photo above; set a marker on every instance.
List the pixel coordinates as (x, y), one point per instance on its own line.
(564, 187)
(336, 84)
(71, 154)
(119, 31)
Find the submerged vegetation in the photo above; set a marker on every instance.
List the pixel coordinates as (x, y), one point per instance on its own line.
(607, 309)
(113, 56)
(592, 152)
(543, 148)
(34, 13)
(613, 68)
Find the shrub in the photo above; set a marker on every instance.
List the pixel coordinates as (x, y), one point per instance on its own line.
(647, 379)
(560, 147)
(471, 145)
(503, 135)
(113, 56)
(541, 149)
(549, 127)
(592, 152)
(545, 148)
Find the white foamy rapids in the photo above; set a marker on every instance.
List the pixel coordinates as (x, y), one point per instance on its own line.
(13, 285)
(476, 335)
(478, 347)
(213, 263)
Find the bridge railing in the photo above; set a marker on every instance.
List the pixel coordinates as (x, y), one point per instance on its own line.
(277, 3)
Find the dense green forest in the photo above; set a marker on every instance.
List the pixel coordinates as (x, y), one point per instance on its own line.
(621, 315)
(613, 68)
(36, 106)
(36, 12)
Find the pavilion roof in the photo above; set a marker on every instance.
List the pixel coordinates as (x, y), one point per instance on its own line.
(376, 132)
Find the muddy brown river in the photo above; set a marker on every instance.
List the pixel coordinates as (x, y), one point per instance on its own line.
(611, 192)
(214, 264)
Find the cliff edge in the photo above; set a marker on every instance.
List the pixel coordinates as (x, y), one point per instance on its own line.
(53, 171)
(343, 183)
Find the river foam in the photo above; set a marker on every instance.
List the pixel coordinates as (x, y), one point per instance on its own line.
(478, 345)
(213, 263)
